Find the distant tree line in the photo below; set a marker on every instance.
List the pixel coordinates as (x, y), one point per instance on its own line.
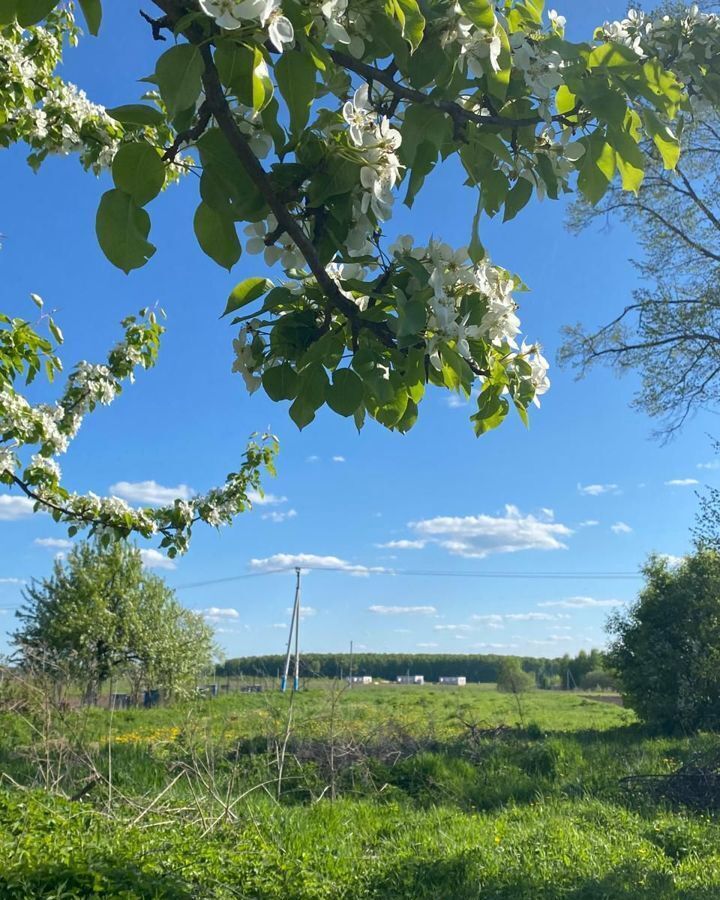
(481, 668)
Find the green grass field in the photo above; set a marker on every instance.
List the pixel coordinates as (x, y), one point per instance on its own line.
(374, 792)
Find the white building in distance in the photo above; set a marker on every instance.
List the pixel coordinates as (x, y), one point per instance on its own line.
(361, 679)
(459, 680)
(410, 679)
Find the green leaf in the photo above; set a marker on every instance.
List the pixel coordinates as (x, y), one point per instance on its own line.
(30, 12)
(518, 197)
(629, 158)
(492, 409)
(122, 228)
(241, 68)
(597, 169)
(138, 170)
(425, 159)
(335, 176)
(225, 184)
(412, 22)
(665, 141)
(8, 10)
(179, 77)
(92, 10)
(280, 382)
(480, 12)
(136, 114)
(295, 75)
(409, 417)
(245, 292)
(499, 81)
(217, 236)
(476, 251)
(345, 395)
(612, 55)
(301, 412)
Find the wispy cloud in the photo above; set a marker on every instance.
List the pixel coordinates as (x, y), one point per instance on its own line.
(428, 645)
(490, 646)
(280, 625)
(277, 516)
(588, 523)
(338, 459)
(581, 603)
(595, 490)
(476, 537)
(402, 610)
(306, 612)
(452, 627)
(682, 482)
(13, 508)
(715, 464)
(12, 581)
(153, 559)
(53, 543)
(280, 561)
(403, 545)
(621, 528)
(258, 499)
(150, 493)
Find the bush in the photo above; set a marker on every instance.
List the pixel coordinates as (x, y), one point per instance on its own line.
(597, 680)
(666, 649)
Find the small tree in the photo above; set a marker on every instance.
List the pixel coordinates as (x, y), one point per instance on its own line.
(511, 678)
(666, 647)
(101, 616)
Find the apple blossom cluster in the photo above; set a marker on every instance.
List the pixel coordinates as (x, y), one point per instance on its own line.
(50, 428)
(234, 14)
(454, 278)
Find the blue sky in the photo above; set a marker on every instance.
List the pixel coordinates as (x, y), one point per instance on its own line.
(515, 501)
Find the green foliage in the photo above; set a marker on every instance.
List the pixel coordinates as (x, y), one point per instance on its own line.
(512, 679)
(304, 121)
(666, 647)
(100, 616)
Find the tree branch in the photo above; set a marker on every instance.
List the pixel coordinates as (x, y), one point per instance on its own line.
(456, 112)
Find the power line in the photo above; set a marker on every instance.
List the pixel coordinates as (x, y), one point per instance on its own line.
(422, 573)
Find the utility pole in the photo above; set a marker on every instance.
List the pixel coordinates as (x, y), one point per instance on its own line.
(350, 676)
(294, 623)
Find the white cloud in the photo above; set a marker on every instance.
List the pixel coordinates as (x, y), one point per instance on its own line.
(153, 559)
(711, 465)
(402, 630)
(588, 523)
(305, 611)
(12, 508)
(621, 528)
(557, 638)
(280, 625)
(53, 543)
(530, 617)
(276, 515)
(476, 537)
(682, 482)
(219, 613)
(452, 627)
(258, 499)
(486, 646)
(402, 610)
(338, 459)
(595, 490)
(150, 493)
(402, 545)
(12, 581)
(281, 561)
(313, 459)
(671, 560)
(581, 603)
(427, 645)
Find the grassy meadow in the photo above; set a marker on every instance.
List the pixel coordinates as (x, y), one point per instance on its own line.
(369, 792)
